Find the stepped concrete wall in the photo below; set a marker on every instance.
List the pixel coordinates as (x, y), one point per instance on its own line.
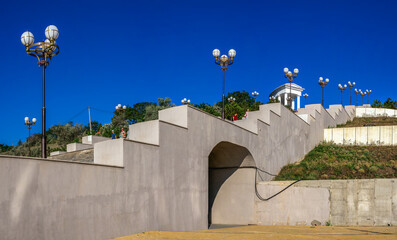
(361, 202)
(157, 181)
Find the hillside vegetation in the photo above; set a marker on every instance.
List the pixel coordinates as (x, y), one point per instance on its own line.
(330, 161)
(370, 121)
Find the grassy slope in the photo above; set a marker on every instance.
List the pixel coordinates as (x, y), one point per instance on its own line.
(330, 161)
(370, 121)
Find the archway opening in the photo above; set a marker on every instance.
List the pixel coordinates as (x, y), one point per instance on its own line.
(231, 196)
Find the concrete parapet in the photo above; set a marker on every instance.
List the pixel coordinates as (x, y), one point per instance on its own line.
(146, 132)
(109, 153)
(376, 135)
(175, 115)
(92, 139)
(71, 147)
(57, 153)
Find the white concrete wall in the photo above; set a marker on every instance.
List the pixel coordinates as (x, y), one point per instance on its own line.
(360, 202)
(376, 135)
(72, 147)
(92, 139)
(146, 132)
(375, 112)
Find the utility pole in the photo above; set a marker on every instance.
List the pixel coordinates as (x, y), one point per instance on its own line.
(89, 118)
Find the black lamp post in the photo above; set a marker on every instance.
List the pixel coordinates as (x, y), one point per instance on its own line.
(351, 85)
(185, 101)
(305, 96)
(43, 51)
(362, 95)
(356, 92)
(341, 88)
(223, 61)
(322, 84)
(288, 74)
(368, 92)
(29, 124)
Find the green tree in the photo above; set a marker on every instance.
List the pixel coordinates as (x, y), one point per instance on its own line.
(214, 110)
(152, 111)
(137, 112)
(244, 101)
(96, 126)
(389, 103)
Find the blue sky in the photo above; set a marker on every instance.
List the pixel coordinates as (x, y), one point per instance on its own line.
(133, 51)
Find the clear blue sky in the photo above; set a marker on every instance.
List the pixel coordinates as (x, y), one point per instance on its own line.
(133, 51)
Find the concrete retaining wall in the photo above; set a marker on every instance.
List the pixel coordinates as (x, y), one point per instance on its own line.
(375, 112)
(341, 202)
(377, 135)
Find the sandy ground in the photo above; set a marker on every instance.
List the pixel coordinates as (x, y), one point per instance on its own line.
(275, 232)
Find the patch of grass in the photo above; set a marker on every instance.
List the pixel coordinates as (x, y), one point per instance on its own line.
(373, 121)
(331, 161)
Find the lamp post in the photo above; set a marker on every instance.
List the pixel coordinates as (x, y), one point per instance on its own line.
(305, 96)
(362, 95)
(288, 74)
(223, 61)
(255, 94)
(272, 99)
(29, 124)
(120, 108)
(356, 92)
(368, 92)
(185, 101)
(43, 51)
(322, 84)
(341, 88)
(231, 99)
(351, 85)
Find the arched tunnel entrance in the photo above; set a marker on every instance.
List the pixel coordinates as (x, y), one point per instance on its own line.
(231, 185)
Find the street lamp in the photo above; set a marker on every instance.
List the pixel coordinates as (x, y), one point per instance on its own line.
(255, 94)
(351, 85)
(29, 124)
(368, 92)
(362, 95)
(43, 51)
(356, 92)
(223, 61)
(120, 108)
(341, 88)
(231, 99)
(322, 84)
(185, 101)
(305, 96)
(288, 74)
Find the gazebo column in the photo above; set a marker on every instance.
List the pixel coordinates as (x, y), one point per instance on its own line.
(293, 104)
(285, 99)
(298, 104)
(279, 98)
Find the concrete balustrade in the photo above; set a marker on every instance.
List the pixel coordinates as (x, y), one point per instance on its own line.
(376, 135)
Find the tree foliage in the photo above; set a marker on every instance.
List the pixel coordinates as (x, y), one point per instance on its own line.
(152, 111)
(389, 103)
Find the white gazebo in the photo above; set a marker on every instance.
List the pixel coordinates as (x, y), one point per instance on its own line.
(282, 93)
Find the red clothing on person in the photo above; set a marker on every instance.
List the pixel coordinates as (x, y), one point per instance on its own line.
(235, 117)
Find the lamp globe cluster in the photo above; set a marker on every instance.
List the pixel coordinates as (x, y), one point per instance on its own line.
(224, 61)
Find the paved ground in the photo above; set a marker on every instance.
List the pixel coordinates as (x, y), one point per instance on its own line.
(275, 232)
